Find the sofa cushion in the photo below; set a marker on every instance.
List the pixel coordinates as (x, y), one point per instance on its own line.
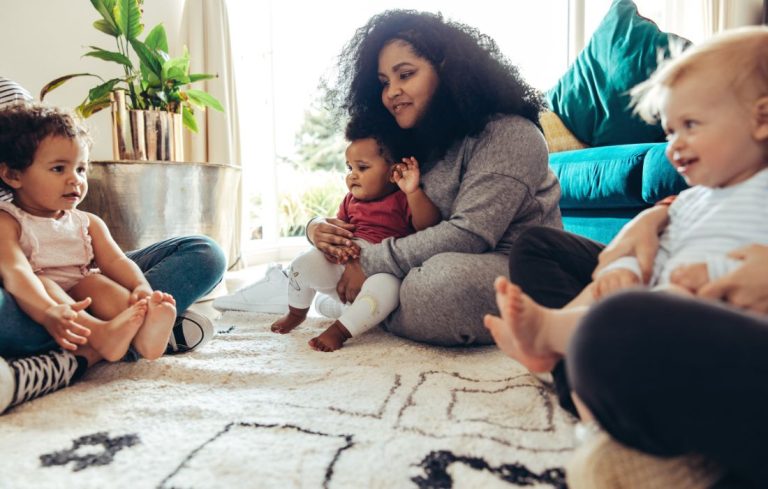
(660, 179)
(606, 177)
(592, 96)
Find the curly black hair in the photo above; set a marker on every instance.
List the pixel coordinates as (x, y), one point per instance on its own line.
(477, 82)
(24, 126)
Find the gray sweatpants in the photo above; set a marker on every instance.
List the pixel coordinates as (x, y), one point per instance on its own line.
(443, 301)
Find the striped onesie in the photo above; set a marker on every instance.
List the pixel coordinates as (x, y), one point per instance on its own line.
(705, 224)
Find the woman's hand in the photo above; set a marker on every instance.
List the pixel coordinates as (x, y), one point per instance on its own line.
(638, 238)
(60, 323)
(351, 282)
(747, 286)
(333, 237)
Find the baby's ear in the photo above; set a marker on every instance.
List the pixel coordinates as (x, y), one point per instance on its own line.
(760, 112)
(9, 176)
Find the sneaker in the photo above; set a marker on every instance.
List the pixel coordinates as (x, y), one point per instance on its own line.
(269, 295)
(601, 462)
(328, 306)
(192, 330)
(27, 378)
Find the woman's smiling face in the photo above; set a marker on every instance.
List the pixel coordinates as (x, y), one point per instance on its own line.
(408, 81)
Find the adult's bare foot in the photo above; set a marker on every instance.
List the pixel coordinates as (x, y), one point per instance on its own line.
(520, 332)
(112, 338)
(287, 323)
(331, 339)
(152, 338)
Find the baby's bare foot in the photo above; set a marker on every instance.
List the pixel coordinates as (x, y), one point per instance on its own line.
(520, 331)
(331, 339)
(112, 339)
(287, 323)
(152, 338)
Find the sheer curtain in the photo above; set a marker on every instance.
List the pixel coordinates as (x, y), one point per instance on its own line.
(205, 31)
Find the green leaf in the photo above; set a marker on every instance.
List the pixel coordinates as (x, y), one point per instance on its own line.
(200, 76)
(105, 27)
(188, 118)
(54, 84)
(204, 99)
(103, 90)
(176, 68)
(157, 39)
(148, 57)
(105, 8)
(90, 108)
(127, 16)
(109, 56)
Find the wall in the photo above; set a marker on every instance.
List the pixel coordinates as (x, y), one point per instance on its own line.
(43, 39)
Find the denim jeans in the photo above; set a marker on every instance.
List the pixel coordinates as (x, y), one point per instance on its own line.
(188, 268)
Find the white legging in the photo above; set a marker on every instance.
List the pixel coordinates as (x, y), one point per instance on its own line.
(311, 273)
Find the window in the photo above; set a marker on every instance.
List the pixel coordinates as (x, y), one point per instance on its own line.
(281, 51)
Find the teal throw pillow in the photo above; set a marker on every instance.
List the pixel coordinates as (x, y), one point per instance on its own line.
(592, 97)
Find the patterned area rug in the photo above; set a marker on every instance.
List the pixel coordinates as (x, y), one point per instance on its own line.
(256, 409)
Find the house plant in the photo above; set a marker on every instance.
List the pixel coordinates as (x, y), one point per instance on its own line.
(151, 95)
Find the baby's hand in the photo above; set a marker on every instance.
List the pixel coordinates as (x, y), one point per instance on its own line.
(406, 175)
(140, 292)
(613, 281)
(346, 254)
(60, 323)
(691, 277)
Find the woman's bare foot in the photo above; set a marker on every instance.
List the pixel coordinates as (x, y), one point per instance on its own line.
(331, 339)
(112, 338)
(287, 323)
(520, 332)
(152, 339)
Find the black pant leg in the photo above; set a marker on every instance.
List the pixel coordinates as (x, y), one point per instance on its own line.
(670, 375)
(553, 266)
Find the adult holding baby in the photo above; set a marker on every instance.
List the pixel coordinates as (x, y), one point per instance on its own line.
(464, 111)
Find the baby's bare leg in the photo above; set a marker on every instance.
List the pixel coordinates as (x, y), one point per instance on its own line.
(288, 322)
(109, 297)
(151, 340)
(110, 336)
(532, 334)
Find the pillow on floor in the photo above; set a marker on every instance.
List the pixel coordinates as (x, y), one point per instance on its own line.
(592, 97)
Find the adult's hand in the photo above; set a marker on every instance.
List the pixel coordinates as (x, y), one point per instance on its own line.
(333, 237)
(351, 282)
(747, 286)
(638, 238)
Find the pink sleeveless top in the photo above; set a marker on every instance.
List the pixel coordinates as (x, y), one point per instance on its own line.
(59, 249)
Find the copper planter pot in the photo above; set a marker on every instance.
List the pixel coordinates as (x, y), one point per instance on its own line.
(145, 135)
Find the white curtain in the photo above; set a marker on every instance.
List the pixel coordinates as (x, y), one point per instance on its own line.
(205, 31)
(699, 19)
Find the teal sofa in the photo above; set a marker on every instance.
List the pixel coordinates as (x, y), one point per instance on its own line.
(604, 187)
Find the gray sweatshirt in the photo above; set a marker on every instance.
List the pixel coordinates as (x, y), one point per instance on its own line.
(488, 188)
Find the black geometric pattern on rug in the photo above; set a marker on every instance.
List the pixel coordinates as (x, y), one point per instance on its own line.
(110, 447)
(328, 471)
(436, 465)
(378, 414)
(543, 391)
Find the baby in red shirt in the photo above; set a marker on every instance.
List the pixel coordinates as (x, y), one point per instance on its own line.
(384, 200)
